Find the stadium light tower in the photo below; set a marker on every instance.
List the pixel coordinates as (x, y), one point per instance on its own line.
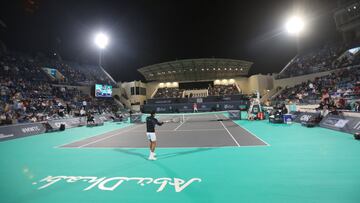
(295, 25)
(101, 41)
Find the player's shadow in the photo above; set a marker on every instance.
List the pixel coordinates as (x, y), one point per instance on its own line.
(182, 153)
(162, 156)
(132, 152)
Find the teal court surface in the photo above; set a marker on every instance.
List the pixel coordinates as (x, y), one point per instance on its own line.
(282, 163)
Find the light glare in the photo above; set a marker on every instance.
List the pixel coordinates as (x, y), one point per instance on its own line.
(101, 40)
(294, 25)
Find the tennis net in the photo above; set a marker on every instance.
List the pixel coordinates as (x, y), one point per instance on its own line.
(193, 117)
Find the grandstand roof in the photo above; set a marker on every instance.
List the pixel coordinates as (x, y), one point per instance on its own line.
(196, 69)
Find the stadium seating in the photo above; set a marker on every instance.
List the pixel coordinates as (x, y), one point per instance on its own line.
(14, 64)
(340, 89)
(220, 90)
(216, 90)
(169, 93)
(318, 60)
(28, 94)
(92, 74)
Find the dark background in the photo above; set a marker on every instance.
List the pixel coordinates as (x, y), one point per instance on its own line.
(145, 32)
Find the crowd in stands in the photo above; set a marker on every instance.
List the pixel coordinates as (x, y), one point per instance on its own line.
(92, 73)
(216, 90)
(340, 90)
(28, 94)
(13, 64)
(323, 59)
(219, 90)
(71, 75)
(172, 92)
(30, 101)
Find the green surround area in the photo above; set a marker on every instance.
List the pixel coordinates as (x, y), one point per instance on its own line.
(300, 165)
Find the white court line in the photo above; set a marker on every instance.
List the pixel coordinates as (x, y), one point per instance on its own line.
(158, 147)
(80, 139)
(228, 131)
(193, 130)
(179, 125)
(107, 137)
(253, 134)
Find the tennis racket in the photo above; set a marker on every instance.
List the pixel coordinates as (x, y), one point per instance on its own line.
(173, 120)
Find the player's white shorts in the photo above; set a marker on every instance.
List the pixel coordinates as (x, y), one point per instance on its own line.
(151, 136)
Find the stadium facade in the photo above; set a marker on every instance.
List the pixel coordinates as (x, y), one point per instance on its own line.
(191, 73)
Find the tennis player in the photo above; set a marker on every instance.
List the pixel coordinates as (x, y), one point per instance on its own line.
(151, 122)
(195, 107)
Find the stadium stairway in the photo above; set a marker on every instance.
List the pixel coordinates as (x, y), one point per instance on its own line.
(125, 102)
(270, 94)
(119, 103)
(288, 64)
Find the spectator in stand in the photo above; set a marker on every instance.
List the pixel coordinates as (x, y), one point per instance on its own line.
(267, 102)
(221, 90)
(90, 118)
(325, 97)
(61, 110)
(334, 111)
(337, 89)
(84, 104)
(300, 97)
(357, 106)
(82, 112)
(168, 93)
(68, 108)
(316, 61)
(25, 100)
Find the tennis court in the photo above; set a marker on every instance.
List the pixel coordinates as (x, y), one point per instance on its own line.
(194, 130)
(299, 164)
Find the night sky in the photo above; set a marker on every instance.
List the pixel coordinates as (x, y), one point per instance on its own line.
(145, 32)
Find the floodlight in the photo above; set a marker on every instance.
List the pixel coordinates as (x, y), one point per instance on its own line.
(295, 25)
(101, 40)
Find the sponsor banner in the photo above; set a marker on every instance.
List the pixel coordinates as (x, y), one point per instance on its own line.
(235, 114)
(69, 122)
(305, 117)
(167, 101)
(103, 117)
(226, 98)
(204, 107)
(136, 118)
(184, 108)
(161, 109)
(295, 115)
(229, 98)
(229, 107)
(341, 123)
(20, 130)
(163, 102)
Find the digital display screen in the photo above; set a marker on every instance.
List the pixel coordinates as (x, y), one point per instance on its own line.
(103, 90)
